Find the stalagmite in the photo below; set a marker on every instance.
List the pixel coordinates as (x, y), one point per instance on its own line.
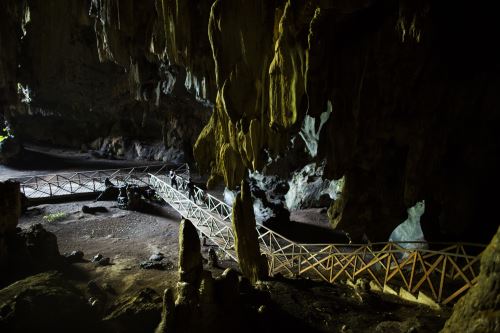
(252, 264)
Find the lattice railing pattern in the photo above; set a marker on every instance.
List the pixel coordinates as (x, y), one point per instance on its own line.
(445, 271)
(203, 212)
(35, 187)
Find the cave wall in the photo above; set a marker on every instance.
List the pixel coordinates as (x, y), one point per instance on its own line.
(411, 88)
(414, 113)
(10, 33)
(94, 76)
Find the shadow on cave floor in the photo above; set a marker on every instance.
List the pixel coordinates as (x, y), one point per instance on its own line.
(308, 233)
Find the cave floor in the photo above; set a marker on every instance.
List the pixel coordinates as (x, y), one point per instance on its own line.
(40, 160)
(126, 237)
(129, 238)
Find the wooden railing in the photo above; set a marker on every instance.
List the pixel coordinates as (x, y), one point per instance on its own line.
(45, 186)
(442, 271)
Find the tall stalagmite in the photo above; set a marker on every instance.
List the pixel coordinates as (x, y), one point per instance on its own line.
(253, 265)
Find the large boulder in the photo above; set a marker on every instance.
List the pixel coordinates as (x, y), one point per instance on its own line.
(479, 310)
(252, 264)
(30, 251)
(44, 303)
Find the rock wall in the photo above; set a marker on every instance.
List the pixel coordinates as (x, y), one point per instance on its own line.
(96, 70)
(10, 34)
(479, 310)
(413, 113)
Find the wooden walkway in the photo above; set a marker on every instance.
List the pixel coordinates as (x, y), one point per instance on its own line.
(37, 188)
(442, 271)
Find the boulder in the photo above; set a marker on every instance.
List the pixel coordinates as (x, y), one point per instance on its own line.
(30, 251)
(44, 303)
(74, 257)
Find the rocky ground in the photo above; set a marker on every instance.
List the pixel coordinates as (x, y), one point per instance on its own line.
(129, 238)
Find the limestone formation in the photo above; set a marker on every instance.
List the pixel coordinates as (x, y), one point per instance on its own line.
(252, 264)
(190, 261)
(29, 251)
(45, 303)
(202, 303)
(10, 210)
(167, 316)
(140, 312)
(386, 134)
(479, 310)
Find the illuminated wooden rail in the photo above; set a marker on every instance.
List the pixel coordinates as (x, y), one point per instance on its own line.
(441, 271)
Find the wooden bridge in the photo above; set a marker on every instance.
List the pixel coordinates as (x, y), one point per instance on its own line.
(42, 188)
(441, 271)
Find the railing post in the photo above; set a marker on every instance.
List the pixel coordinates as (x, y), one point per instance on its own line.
(300, 260)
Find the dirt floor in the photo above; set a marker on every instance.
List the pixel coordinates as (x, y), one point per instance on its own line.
(126, 237)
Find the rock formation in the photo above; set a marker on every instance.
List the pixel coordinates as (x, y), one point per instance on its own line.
(190, 262)
(22, 252)
(479, 310)
(202, 303)
(10, 210)
(252, 264)
(45, 302)
(134, 314)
